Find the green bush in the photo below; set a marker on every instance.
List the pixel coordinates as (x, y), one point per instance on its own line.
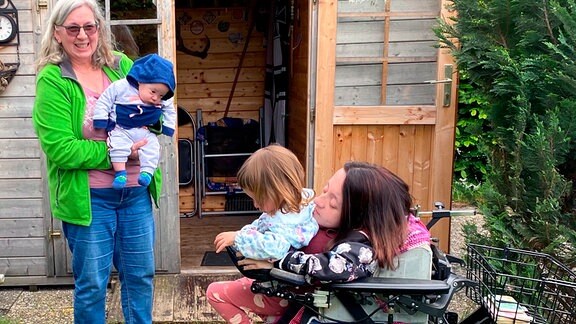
(518, 58)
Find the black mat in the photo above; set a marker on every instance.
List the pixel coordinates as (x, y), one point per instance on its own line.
(212, 258)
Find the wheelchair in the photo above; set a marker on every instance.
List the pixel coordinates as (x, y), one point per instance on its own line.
(418, 291)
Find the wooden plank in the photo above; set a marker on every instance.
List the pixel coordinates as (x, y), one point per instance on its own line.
(359, 141)
(27, 64)
(20, 84)
(406, 153)
(186, 305)
(20, 168)
(242, 106)
(16, 106)
(213, 203)
(422, 164)
(26, 208)
(22, 247)
(187, 203)
(165, 288)
(360, 6)
(247, 74)
(391, 143)
(222, 44)
(19, 148)
(16, 128)
(188, 302)
(412, 30)
(424, 49)
(21, 188)
(358, 75)
(384, 115)
(22, 4)
(360, 31)
(224, 60)
(444, 132)
(26, 45)
(410, 94)
(374, 147)
(211, 30)
(186, 131)
(167, 251)
(398, 73)
(21, 227)
(411, 73)
(415, 5)
(418, 94)
(28, 266)
(342, 145)
(221, 90)
(324, 140)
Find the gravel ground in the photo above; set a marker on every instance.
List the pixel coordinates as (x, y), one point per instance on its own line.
(51, 305)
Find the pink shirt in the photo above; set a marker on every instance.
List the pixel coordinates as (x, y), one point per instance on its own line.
(104, 178)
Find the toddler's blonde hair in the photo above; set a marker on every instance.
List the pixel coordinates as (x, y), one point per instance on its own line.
(273, 173)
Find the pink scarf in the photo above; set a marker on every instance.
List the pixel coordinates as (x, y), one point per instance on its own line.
(418, 234)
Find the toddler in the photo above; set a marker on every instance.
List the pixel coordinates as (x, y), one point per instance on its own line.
(273, 177)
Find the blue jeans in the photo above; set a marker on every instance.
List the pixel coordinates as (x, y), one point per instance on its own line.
(121, 233)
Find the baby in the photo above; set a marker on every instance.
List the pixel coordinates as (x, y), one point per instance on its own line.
(129, 107)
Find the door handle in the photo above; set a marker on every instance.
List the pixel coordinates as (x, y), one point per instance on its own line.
(447, 92)
(438, 81)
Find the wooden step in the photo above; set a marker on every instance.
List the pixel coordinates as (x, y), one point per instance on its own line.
(179, 298)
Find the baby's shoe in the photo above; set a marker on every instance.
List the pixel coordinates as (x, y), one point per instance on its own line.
(144, 179)
(120, 179)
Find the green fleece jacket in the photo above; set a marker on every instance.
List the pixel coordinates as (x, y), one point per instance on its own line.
(58, 116)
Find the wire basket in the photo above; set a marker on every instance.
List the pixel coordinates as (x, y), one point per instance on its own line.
(518, 286)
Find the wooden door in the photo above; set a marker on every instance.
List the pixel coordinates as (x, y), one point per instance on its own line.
(385, 94)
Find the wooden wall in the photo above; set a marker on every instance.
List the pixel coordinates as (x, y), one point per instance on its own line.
(298, 120)
(206, 83)
(22, 228)
(404, 150)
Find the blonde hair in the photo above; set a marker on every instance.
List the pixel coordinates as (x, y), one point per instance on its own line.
(273, 173)
(53, 52)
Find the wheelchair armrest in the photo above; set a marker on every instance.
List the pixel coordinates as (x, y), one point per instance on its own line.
(288, 277)
(397, 286)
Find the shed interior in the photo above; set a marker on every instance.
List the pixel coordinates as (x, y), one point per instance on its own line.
(235, 71)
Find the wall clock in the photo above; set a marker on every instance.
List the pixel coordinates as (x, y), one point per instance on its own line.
(8, 28)
(8, 24)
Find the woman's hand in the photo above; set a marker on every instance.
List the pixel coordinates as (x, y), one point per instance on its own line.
(135, 147)
(223, 240)
(251, 264)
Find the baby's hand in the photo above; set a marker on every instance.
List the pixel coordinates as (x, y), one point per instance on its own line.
(223, 240)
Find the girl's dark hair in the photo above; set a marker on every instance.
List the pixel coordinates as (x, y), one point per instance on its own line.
(377, 202)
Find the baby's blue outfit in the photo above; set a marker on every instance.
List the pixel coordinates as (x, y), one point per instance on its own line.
(270, 237)
(121, 111)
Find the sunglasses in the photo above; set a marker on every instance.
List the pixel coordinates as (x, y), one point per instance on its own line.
(73, 31)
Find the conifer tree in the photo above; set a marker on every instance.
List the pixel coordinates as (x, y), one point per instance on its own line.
(521, 55)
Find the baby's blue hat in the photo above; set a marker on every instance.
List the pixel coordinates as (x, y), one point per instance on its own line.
(153, 69)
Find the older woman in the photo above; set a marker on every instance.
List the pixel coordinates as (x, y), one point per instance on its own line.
(103, 226)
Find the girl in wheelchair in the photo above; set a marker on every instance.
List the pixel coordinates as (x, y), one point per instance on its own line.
(367, 207)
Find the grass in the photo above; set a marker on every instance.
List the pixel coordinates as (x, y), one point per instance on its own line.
(4, 320)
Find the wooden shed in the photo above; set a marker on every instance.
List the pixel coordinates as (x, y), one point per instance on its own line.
(333, 80)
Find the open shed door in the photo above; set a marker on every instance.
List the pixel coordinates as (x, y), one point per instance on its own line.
(385, 94)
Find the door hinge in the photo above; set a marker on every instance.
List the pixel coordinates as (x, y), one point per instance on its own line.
(312, 114)
(54, 234)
